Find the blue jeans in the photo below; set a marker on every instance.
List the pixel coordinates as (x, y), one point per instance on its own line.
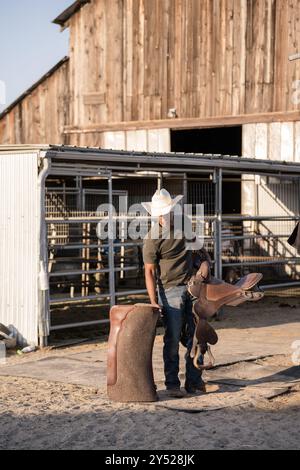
(177, 312)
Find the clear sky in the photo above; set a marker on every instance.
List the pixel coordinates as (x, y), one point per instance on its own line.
(29, 43)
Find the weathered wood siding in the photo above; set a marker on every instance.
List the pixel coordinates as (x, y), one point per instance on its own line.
(41, 116)
(133, 60)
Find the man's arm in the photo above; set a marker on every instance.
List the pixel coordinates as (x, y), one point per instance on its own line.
(150, 278)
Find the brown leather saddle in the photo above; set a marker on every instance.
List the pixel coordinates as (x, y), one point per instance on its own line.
(208, 298)
(129, 358)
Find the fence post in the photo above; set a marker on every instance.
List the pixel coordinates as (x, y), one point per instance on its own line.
(111, 260)
(218, 179)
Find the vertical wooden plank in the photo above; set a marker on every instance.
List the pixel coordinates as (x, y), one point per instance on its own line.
(164, 57)
(216, 47)
(128, 61)
(269, 52)
(114, 140)
(228, 58)
(297, 141)
(261, 141)
(201, 63)
(281, 54)
(164, 140)
(140, 61)
(209, 59)
(249, 137)
(153, 141)
(236, 66)
(220, 97)
(293, 34)
(178, 56)
(258, 72)
(287, 141)
(275, 141)
(171, 72)
(114, 59)
(137, 141)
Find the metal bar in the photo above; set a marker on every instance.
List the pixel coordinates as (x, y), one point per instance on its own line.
(131, 292)
(74, 247)
(78, 299)
(43, 292)
(263, 263)
(95, 219)
(253, 237)
(189, 170)
(280, 285)
(185, 189)
(111, 264)
(280, 175)
(260, 218)
(218, 223)
(92, 271)
(96, 297)
(78, 325)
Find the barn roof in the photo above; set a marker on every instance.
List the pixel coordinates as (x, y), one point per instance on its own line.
(34, 86)
(70, 11)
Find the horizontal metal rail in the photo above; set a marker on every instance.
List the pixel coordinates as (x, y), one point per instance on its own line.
(99, 246)
(96, 297)
(260, 218)
(262, 263)
(78, 325)
(253, 237)
(280, 285)
(95, 219)
(92, 271)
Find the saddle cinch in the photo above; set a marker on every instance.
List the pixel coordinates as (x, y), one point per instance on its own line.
(208, 297)
(129, 359)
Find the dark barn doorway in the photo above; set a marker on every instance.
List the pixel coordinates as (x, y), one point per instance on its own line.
(220, 140)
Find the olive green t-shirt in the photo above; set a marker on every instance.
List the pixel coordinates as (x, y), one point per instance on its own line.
(173, 261)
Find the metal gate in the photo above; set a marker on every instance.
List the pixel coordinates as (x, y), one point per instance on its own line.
(84, 270)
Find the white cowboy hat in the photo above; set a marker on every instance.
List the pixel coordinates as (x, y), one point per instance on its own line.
(161, 203)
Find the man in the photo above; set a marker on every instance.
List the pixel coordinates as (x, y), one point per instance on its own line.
(168, 266)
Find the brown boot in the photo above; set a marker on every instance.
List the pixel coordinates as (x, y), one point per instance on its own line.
(202, 388)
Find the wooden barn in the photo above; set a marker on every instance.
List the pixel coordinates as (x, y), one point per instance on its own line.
(203, 76)
(211, 77)
(149, 74)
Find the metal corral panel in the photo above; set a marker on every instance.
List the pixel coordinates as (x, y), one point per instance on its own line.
(19, 247)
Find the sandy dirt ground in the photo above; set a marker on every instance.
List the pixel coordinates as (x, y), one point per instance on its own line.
(44, 410)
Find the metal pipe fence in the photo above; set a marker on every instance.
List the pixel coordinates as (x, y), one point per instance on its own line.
(84, 269)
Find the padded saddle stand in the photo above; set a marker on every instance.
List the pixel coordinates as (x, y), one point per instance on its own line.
(130, 346)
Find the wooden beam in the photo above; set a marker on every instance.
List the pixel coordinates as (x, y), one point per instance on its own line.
(189, 123)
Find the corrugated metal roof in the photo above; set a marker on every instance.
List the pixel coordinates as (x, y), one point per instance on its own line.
(34, 86)
(108, 158)
(70, 11)
(19, 248)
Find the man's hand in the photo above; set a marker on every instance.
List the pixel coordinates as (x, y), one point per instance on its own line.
(204, 270)
(159, 307)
